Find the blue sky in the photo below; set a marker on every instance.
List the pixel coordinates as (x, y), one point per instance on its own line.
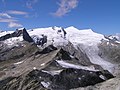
(102, 16)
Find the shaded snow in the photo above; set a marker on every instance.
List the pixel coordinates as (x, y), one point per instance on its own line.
(88, 41)
(70, 65)
(53, 72)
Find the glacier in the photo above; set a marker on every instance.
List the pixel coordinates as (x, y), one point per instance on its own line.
(86, 40)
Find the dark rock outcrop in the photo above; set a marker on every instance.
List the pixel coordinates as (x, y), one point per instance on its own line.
(112, 84)
(46, 50)
(26, 36)
(39, 40)
(72, 78)
(67, 79)
(14, 53)
(17, 33)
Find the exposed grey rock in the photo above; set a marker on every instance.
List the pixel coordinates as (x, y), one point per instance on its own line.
(17, 33)
(110, 51)
(27, 67)
(67, 79)
(15, 52)
(36, 69)
(26, 36)
(112, 84)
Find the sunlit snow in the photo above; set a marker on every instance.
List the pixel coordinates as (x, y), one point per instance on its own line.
(86, 40)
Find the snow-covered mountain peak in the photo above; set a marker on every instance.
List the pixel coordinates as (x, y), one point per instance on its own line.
(86, 36)
(72, 34)
(74, 29)
(59, 34)
(20, 28)
(86, 40)
(64, 55)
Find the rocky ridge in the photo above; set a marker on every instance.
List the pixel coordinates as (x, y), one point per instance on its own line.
(62, 62)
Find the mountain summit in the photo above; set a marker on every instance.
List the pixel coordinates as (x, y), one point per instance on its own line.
(56, 58)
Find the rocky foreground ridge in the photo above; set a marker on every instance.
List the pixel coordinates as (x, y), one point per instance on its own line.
(59, 59)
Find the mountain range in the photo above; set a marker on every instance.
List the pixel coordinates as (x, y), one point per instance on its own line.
(57, 58)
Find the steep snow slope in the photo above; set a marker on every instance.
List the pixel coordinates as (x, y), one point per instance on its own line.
(86, 40)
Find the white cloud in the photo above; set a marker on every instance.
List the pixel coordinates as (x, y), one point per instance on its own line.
(7, 20)
(14, 24)
(5, 15)
(65, 6)
(30, 3)
(15, 12)
(11, 21)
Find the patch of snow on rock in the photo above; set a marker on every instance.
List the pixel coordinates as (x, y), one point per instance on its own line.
(18, 63)
(45, 84)
(70, 65)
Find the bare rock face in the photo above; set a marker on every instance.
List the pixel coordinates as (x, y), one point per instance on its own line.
(15, 52)
(28, 67)
(26, 36)
(40, 69)
(112, 84)
(110, 51)
(17, 33)
(65, 80)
